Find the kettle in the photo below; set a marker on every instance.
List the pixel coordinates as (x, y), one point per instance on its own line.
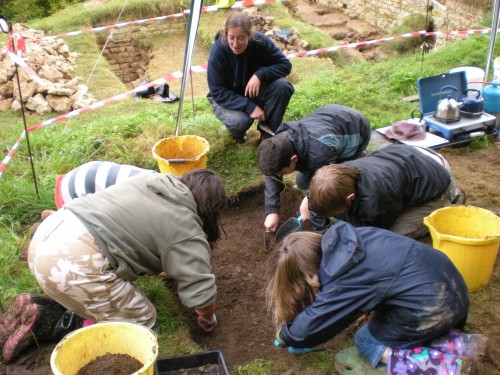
(448, 109)
(472, 105)
(417, 120)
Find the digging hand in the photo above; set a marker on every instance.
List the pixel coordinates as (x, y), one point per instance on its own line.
(207, 323)
(278, 341)
(281, 344)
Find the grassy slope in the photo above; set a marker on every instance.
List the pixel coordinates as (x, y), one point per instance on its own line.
(124, 131)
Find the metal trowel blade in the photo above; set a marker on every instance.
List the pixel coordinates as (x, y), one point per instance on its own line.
(268, 240)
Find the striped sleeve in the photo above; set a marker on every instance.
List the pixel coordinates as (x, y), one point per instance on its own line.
(95, 176)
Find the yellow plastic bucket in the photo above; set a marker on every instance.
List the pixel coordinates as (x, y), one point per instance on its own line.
(470, 237)
(180, 154)
(82, 346)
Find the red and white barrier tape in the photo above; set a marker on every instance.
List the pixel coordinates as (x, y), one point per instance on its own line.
(200, 68)
(11, 152)
(102, 103)
(206, 9)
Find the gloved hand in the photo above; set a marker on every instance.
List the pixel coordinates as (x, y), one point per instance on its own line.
(278, 341)
(206, 318)
(293, 350)
(281, 344)
(207, 323)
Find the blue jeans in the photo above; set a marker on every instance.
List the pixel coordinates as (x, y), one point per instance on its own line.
(369, 346)
(273, 99)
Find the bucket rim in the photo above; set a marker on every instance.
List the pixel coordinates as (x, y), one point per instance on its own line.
(76, 332)
(187, 160)
(487, 239)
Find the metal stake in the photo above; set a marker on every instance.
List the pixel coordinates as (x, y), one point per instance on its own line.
(6, 27)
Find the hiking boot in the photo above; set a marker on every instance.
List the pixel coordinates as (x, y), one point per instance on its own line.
(22, 337)
(40, 322)
(241, 141)
(11, 319)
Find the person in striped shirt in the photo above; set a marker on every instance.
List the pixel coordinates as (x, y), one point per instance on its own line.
(92, 177)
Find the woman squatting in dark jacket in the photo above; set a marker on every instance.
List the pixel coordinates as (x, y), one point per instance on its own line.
(245, 77)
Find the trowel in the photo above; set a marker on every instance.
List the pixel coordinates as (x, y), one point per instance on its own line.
(268, 240)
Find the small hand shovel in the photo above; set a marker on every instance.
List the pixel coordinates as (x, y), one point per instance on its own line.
(294, 224)
(268, 240)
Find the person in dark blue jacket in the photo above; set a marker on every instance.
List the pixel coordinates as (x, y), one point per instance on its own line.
(245, 77)
(393, 188)
(332, 134)
(320, 284)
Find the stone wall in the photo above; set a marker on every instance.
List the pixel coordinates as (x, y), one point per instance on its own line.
(127, 49)
(387, 14)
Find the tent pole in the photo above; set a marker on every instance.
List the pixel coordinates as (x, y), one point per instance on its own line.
(493, 36)
(194, 19)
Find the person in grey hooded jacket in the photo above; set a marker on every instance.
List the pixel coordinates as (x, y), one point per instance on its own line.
(88, 254)
(332, 134)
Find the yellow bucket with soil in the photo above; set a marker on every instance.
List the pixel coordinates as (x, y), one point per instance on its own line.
(180, 154)
(470, 237)
(79, 348)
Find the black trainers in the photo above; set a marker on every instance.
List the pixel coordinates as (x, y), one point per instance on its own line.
(459, 197)
(242, 140)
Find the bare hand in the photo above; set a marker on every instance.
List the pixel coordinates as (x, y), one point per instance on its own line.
(253, 87)
(258, 114)
(304, 209)
(271, 222)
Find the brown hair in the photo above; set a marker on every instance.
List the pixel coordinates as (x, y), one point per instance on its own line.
(293, 275)
(210, 196)
(275, 154)
(329, 188)
(237, 19)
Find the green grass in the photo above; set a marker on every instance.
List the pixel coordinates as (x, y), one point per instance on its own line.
(125, 131)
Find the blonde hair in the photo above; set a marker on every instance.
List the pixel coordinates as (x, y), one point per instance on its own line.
(330, 187)
(293, 275)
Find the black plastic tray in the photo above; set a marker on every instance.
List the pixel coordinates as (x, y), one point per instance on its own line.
(204, 363)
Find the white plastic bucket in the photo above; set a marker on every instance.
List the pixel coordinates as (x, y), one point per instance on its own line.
(473, 75)
(496, 69)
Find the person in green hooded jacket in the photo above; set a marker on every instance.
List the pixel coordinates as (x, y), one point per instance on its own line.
(87, 255)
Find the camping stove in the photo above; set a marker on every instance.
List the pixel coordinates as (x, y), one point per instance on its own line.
(432, 89)
(464, 125)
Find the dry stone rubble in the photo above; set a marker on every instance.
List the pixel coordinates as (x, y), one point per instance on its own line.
(56, 89)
